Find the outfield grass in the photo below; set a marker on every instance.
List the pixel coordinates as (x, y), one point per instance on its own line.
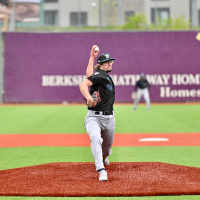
(70, 119)
(160, 119)
(42, 119)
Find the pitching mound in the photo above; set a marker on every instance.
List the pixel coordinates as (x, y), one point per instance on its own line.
(81, 179)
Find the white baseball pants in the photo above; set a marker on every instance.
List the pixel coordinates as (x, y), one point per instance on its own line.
(100, 128)
(145, 93)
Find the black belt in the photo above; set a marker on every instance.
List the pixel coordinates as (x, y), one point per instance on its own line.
(104, 113)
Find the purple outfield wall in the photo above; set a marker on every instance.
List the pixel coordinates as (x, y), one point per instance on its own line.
(48, 67)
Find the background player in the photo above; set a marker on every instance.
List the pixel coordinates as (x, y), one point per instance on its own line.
(100, 120)
(142, 87)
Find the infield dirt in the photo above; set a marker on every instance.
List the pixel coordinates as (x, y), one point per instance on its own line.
(81, 179)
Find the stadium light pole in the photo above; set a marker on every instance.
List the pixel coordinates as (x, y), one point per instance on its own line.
(12, 21)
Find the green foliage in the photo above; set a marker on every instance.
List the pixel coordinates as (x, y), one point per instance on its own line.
(176, 23)
(137, 22)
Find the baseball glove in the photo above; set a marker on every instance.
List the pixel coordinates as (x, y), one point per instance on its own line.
(96, 98)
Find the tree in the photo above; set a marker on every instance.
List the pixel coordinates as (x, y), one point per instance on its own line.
(137, 22)
(176, 23)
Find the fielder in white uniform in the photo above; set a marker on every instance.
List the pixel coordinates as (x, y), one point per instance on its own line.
(142, 87)
(100, 120)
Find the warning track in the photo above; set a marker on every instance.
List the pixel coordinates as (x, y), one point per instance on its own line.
(82, 140)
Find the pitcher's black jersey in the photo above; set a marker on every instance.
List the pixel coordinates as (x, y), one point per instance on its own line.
(103, 82)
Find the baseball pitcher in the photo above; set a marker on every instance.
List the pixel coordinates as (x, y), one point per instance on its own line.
(100, 120)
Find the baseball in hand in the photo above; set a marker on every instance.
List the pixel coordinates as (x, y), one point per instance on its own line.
(97, 49)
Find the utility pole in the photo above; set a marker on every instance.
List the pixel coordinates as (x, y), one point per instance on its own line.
(120, 12)
(136, 7)
(79, 13)
(99, 6)
(194, 13)
(156, 13)
(12, 21)
(120, 9)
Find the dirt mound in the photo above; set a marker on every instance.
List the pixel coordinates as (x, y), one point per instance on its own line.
(81, 179)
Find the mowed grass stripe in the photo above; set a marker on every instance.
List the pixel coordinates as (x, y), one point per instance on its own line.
(29, 156)
(70, 119)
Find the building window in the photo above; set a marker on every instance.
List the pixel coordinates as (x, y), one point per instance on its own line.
(198, 17)
(51, 17)
(78, 18)
(50, 1)
(128, 14)
(162, 14)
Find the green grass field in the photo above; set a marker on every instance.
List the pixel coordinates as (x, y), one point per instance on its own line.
(70, 119)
